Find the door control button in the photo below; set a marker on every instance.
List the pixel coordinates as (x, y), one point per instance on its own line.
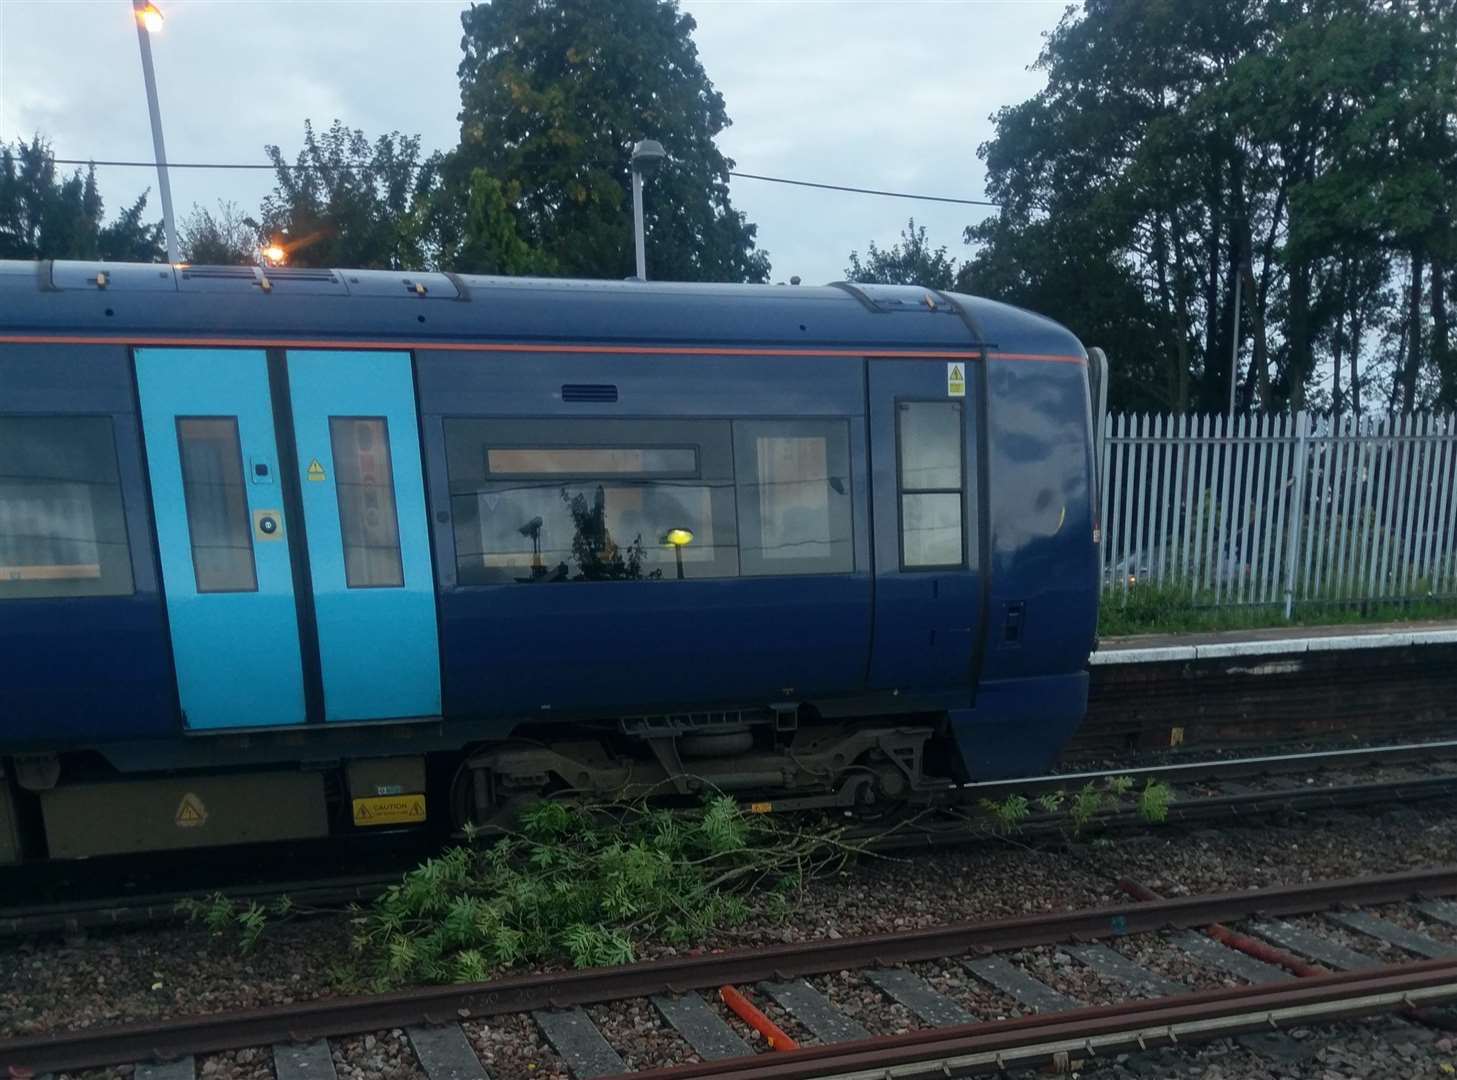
(268, 524)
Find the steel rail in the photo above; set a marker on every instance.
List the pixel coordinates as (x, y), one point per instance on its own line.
(1224, 768)
(999, 1045)
(1184, 812)
(95, 1047)
(73, 915)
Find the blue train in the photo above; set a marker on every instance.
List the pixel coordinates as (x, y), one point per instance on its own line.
(298, 553)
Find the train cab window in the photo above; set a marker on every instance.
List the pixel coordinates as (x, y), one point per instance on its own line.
(537, 501)
(932, 488)
(62, 530)
(794, 496)
(217, 504)
(369, 526)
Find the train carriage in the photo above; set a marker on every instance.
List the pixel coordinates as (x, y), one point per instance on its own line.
(298, 553)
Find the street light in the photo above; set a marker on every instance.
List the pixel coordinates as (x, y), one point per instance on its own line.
(149, 21)
(679, 538)
(647, 155)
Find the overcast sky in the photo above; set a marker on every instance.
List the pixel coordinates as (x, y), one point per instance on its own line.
(893, 95)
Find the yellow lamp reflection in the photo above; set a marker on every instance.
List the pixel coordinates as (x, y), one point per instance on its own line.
(679, 538)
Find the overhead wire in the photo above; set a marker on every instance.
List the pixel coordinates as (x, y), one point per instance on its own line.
(242, 165)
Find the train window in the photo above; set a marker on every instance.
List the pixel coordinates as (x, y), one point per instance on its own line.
(591, 500)
(369, 526)
(794, 496)
(932, 499)
(217, 504)
(62, 530)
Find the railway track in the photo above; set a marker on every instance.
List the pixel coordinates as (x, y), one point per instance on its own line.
(1205, 791)
(1265, 960)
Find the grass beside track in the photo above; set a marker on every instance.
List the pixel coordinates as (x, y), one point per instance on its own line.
(1174, 609)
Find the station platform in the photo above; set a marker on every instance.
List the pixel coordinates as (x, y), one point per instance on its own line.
(1270, 642)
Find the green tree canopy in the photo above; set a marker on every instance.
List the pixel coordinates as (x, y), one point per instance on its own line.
(226, 237)
(553, 95)
(911, 261)
(1302, 151)
(44, 215)
(346, 201)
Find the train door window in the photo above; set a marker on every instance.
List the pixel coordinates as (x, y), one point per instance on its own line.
(932, 488)
(217, 504)
(62, 530)
(369, 526)
(794, 496)
(591, 500)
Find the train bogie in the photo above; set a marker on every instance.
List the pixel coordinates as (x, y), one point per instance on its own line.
(340, 550)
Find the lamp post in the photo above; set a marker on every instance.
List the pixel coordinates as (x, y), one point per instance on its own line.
(679, 538)
(149, 21)
(647, 155)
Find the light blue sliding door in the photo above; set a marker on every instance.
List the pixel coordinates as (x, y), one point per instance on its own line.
(212, 459)
(358, 446)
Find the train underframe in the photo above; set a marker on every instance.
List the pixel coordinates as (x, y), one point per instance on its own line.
(80, 805)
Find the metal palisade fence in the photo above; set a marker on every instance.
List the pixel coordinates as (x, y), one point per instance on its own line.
(1280, 510)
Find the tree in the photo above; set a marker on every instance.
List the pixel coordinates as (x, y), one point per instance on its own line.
(909, 262)
(46, 216)
(225, 238)
(1302, 152)
(553, 95)
(346, 201)
(471, 227)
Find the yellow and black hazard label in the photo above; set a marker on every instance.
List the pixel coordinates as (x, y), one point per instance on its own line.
(190, 812)
(389, 810)
(956, 380)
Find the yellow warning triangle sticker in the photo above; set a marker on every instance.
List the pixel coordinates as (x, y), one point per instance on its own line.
(190, 812)
(316, 471)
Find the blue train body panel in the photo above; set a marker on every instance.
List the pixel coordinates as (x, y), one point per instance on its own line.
(887, 496)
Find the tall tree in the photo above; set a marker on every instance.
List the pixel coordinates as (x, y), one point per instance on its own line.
(910, 261)
(553, 95)
(1296, 154)
(346, 201)
(44, 215)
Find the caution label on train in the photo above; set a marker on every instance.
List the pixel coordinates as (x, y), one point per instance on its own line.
(389, 810)
(316, 471)
(190, 812)
(955, 379)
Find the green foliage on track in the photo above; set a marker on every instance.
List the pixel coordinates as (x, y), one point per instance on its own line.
(1083, 806)
(585, 886)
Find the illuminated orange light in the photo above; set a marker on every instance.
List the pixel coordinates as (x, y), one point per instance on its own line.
(151, 18)
(274, 254)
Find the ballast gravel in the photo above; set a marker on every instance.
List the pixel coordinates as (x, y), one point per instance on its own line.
(49, 984)
(1377, 1048)
(640, 1035)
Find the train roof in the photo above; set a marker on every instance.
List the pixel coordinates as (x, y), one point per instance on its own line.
(111, 300)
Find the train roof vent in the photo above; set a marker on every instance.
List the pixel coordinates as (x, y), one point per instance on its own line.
(896, 297)
(596, 393)
(399, 285)
(284, 279)
(112, 277)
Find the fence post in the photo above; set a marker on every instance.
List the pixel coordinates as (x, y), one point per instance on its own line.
(1297, 511)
